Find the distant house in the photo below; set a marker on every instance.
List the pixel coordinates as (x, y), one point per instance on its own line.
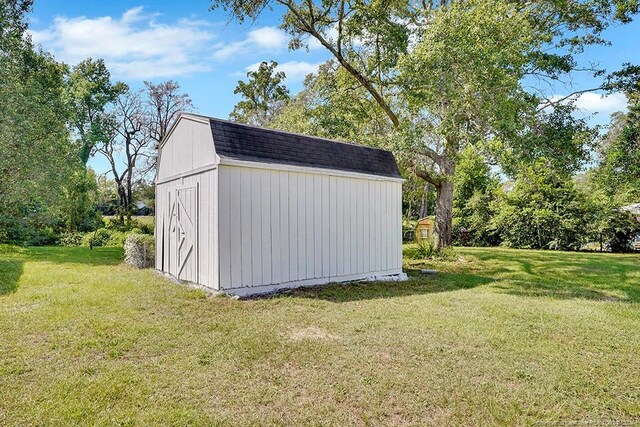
(634, 209)
(142, 208)
(424, 229)
(246, 210)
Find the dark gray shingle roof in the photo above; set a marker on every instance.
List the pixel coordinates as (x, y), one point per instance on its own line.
(243, 142)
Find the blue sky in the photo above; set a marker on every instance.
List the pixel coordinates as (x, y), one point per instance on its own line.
(207, 54)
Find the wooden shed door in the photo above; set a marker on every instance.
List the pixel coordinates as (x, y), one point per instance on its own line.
(183, 232)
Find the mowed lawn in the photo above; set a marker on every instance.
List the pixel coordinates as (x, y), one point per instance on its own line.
(502, 337)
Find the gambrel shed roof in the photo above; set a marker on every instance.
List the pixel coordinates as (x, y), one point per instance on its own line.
(249, 143)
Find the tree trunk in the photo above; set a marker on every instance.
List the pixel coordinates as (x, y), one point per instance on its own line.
(444, 207)
(444, 214)
(424, 207)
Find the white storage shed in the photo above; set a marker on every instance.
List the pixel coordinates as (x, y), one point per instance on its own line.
(247, 210)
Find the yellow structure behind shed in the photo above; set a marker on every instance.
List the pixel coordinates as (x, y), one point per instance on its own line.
(424, 229)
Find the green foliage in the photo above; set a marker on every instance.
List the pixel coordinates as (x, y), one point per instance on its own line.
(426, 249)
(543, 210)
(616, 228)
(564, 142)
(485, 45)
(447, 74)
(104, 237)
(129, 224)
(89, 91)
(78, 210)
(475, 190)
(36, 157)
(71, 238)
(107, 196)
(263, 95)
(619, 168)
(97, 238)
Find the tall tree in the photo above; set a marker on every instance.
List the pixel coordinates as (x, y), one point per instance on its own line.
(128, 141)
(619, 166)
(90, 91)
(165, 102)
(262, 95)
(448, 60)
(36, 157)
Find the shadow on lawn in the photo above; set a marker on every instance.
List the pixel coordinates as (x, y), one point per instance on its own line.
(75, 255)
(417, 285)
(566, 275)
(10, 272)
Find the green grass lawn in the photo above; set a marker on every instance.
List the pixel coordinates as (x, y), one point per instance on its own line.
(502, 337)
(142, 219)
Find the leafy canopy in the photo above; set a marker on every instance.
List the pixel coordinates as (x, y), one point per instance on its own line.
(263, 95)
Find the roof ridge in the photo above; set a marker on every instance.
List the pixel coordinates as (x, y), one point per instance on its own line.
(285, 132)
(254, 143)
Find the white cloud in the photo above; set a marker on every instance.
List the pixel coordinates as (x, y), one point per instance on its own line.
(134, 46)
(294, 70)
(268, 38)
(261, 39)
(591, 102)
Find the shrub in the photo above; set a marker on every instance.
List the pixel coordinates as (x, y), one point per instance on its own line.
(71, 239)
(544, 210)
(139, 250)
(146, 228)
(42, 237)
(116, 238)
(98, 238)
(426, 249)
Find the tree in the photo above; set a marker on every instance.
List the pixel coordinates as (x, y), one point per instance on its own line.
(89, 92)
(133, 125)
(165, 103)
(562, 140)
(619, 166)
(80, 196)
(128, 141)
(475, 191)
(615, 228)
(447, 73)
(36, 156)
(107, 195)
(262, 96)
(544, 210)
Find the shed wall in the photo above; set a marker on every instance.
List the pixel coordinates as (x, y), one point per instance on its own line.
(188, 148)
(200, 191)
(187, 170)
(279, 227)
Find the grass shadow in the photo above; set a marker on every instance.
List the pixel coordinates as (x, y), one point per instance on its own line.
(418, 284)
(76, 255)
(564, 275)
(10, 272)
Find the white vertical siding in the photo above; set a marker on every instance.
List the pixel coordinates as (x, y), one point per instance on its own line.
(234, 226)
(200, 192)
(284, 234)
(189, 147)
(324, 224)
(279, 226)
(245, 230)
